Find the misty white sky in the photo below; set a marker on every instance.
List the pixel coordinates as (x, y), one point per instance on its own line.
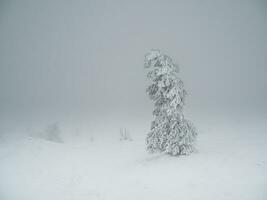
(88, 55)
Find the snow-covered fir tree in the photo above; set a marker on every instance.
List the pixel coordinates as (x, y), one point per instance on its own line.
(170, 132)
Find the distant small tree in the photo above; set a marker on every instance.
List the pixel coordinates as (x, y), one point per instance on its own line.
(52, 133)
(125, 135)
(170, 132)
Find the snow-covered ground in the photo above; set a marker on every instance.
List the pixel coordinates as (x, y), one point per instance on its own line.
(231, 163)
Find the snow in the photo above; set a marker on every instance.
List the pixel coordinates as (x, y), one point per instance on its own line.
(230, 164)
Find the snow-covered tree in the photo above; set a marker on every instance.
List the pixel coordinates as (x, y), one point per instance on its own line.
(170, 132)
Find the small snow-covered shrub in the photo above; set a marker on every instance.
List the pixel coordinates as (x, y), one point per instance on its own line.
(170, 132)
(92, 138)
(52, 133)
(125, 135)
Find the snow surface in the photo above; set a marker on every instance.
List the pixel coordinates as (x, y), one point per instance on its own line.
(231, 163)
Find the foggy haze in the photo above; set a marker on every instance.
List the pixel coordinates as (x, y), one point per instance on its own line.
(87, 56)
(76, 122)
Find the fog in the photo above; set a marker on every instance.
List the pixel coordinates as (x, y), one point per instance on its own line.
(72, 58)
(74, 113)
